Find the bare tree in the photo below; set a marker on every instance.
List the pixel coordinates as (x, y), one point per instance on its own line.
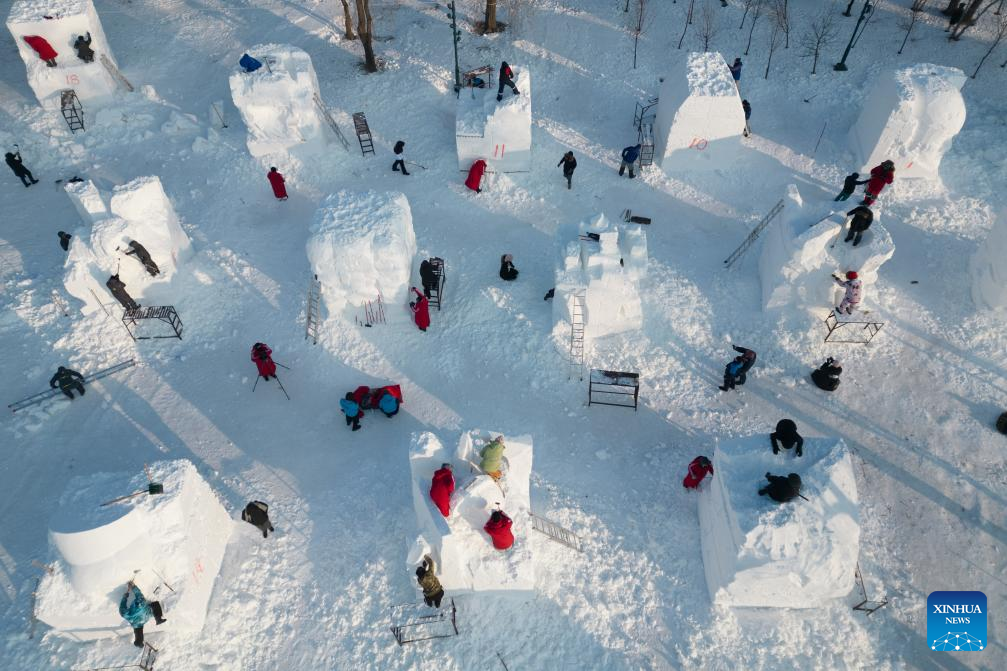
(757, 8)
(908, 22)
(641, 19)
(688, 20)
(490, 26)
(819, 36)
(348, 20)
(973, 12)
(781, 14)
(774, 41)
(517, 13)
(708, 27)
(748, 6)
(999, 31)
(364, 22)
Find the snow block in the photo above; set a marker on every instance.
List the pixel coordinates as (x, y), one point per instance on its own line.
(910, 116)
(139, 210)
(60, 22)
(180, 534)
(497, 132)
(699, 121)
(989, 268)
(277, 102)
(362, 246)
(608, 271)
(466, 559)
(798, 258)
(760, 553)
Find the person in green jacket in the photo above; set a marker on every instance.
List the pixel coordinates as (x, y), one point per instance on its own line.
(432, 590)
(492, 458)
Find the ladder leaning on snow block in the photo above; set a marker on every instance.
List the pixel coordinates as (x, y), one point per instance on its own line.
(88, 379)
(437, 291)
(311, 310)
(73, 111)
(643, 113)
(332, 122)
(114, 71)
(852, 334)
(576, 361)
(646, 140)
(865, 604)
(754, 235)
(363, 132)
(556, 532)
(413, 622)
(162, 313)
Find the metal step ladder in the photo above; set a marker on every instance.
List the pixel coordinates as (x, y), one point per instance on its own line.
(646, 139)
(437, 291)
(363, 132)
(332, 122)
(644, 113)
(114, 71)
(577, 334)
(311, 310)
(556, 532)
(73, 111)
(754, 235)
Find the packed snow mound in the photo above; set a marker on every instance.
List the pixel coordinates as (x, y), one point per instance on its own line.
(137, 211)
(760, 553)
(910, 116)
(497, 132)
(989, 268)
(277, 103)
(798, 255)
(464, 553)
(362, 246)
(699, 121)
(180, 534)
(60, 22)
(602, 276)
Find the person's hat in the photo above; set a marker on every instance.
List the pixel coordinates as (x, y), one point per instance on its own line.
(794, 480)
(851, 275)
(446, 465)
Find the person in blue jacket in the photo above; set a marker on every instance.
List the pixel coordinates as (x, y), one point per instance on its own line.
(736, 372)
(352, 411)
(137, 610)
(388, 404)
(629, 157)
(249, 64)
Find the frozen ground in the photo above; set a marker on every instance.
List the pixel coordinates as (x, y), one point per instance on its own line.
(916, 407)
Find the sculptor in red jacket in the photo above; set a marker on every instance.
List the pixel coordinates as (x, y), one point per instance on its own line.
(698, 469)
(475, 177)
(42, 48)
(421, 310)
(263, 358)
(498, 528)
(442, 488)
(277, 182)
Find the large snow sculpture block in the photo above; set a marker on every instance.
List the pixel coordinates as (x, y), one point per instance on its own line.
(362, 246)
(60, 23)
(910, 116)
(989, 268)
(497, 132)
(139, 211)
(277, 102)
(699, 122)
(180, 535)
(606, 271)
(798, 255)
(760, 553)
(465, 556)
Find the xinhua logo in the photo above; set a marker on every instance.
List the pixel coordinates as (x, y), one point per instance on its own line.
(956, 621)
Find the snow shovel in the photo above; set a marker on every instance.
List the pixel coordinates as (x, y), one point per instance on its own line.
(152, 488)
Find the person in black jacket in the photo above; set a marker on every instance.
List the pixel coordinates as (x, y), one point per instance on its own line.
(400, 157)
(428, 277)
(20, 171)
(83, 47)
(67, 380)
(118, 289)
(507, 270)
(863, 217)
(256, 513)
(782, 489)
(64, 240)
(786, 436)
(506, 79)
(827, 375)
(569, 164)
(850, 185)
(143, 256)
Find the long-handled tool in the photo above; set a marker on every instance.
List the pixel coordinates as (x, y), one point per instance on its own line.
(281, 365)
(281, 388)
(152, 488)
(162, 579)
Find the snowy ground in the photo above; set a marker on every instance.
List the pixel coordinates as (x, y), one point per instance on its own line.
(917, 405)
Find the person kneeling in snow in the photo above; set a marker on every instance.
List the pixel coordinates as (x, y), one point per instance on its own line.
(698, 469)
(786, 436)
(827, 375)
(432, 590)
(492, 458)
(384, 400)
(263, 358)
(782, 489)
(136, 610)
(853, 293)
(441, 489)
(352, 411)
(256, 513)
(498, 528)
(83, 46)
(507, 270)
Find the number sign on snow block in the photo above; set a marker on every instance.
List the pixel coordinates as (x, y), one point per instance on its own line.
(699, 121)
(497, 132)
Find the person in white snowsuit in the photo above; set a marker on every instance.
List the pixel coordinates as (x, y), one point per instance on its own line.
(853, 293)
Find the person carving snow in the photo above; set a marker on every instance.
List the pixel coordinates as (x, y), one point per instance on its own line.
(256, 513)
(698, 470)
(475, 177)
(136, 610)
(863, 217)
(433, 592)
(83, 46)
(263, 358)
(421, 310)
(506, 78)
(492, 458)
(498, 527)
(507, 270)
(786, 437)
(851, 300)
(278, 183)
(441, 489)
(880, 176)
(42, 48)
(400, 157)
(782, 489)
(827, 375)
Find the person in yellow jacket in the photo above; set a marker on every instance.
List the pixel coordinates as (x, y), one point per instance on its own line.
(492, 458)
(432, 590)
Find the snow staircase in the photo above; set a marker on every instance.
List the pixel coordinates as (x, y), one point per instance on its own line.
(73, 111)
(88, 379)
(437, 291)
(577, 335)
(754, 235)
(332, 122)
(312, 314)
(114, 71)
(556, 532)
(363, 132)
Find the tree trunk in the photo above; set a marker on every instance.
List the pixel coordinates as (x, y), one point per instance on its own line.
(364, 31)
(491, 16)
(348, 20)
(973, 12)
(755, 19)
(814, 62)
(912, 22)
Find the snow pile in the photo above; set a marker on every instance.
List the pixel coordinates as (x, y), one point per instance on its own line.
(699, 122)
(180, 534)
(60, 22)
(606, 272)
(361, 247)
(276, 101)
(798, 256)
(760, 553)
(464, 553)
(989, 268)
(910, 117)
(139, 211)
(498, 132)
